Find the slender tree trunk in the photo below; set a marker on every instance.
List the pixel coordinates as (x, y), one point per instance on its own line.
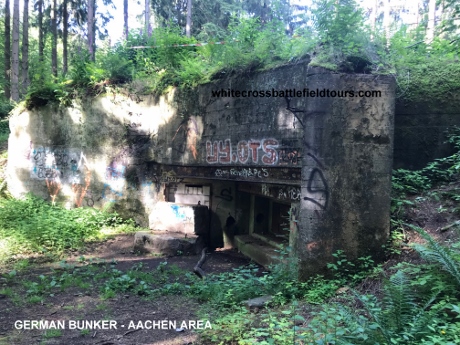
(7, 52)
(147, 18)
(25, 48)
(91, 4)
(65, 34)
(125, 16)
(54, 38)
(431, 21)
(41, 43)
(15, 54)
(188, 26)
(374, 15)
(386, 20)
(373, 19)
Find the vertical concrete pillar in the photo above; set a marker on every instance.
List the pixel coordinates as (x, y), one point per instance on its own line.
(346, 169)
(270, 215)
(251, 213)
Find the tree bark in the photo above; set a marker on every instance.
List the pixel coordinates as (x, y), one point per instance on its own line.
(125, 16)
(91, 5)
(65, 34)
(54, 38)
(25, 49)
(7, 52)
(147, 18)
(386, 20)
(431, 21)
(15, 54)
(188, 26)
(41, 43)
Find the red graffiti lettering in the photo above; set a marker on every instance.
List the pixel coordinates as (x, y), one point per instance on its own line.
(243, 152)
(269, 147)
(211, 152)
(255, 145)
(225, 151)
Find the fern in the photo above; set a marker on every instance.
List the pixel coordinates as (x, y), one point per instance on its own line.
(399, 302)
(400, 316)
(437, 253)
(372, 306)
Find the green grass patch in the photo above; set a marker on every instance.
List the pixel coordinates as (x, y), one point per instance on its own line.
(32, 225)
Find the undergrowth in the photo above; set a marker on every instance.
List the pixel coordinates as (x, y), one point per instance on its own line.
(31, 225)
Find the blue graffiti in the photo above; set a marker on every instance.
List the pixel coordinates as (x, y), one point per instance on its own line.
(178, 212)
(110, 190)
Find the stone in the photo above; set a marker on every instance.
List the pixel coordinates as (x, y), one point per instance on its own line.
(258, 302)
(167, 243)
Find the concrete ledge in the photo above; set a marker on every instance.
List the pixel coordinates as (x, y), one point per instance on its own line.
(258, 250)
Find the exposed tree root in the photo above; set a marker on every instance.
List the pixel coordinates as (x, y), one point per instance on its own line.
(197, 269)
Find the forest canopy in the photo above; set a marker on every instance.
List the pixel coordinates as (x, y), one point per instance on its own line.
(56, 50)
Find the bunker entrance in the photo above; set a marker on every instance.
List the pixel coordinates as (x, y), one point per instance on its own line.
(271, 220)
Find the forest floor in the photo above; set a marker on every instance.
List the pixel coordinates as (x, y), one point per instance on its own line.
(73, 289)
(82, 299)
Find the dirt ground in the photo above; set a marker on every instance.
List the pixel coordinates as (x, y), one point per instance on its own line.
(72, 304)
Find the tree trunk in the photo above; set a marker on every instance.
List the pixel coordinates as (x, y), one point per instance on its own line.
(386, 20)
(125, 16)
(7, 52)
(147, 18)
(65, 34)
(54, 38)
(188, 26)
(41, 43)
(25, 48)
(15, 54)
(91, 4)
(374, 15)
(431, 21)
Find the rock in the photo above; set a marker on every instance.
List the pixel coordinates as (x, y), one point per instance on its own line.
(167, 243)
(257, 303)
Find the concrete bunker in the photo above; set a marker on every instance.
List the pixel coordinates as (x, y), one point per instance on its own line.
(300, 169)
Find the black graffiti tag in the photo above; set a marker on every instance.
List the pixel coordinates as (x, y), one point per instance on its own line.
(225, 194)
(317, 184)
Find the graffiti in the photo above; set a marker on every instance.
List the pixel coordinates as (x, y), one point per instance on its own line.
(114, 180)
(255, 173)
(89, 198)
(317, 189)
(294, 217)
(291, 193)
(289, 156)
(169, 177)
(223, 152)
(51, 163)
(265, 190)
(179, 213)
(134, 122)
(59, 166)
(225, 194)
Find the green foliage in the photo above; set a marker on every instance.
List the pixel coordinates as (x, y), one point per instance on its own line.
(230, 328)
(441, 170)
(4, 131)
(33, 225)
(434, 252)
(5, 108)
(228, 289)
